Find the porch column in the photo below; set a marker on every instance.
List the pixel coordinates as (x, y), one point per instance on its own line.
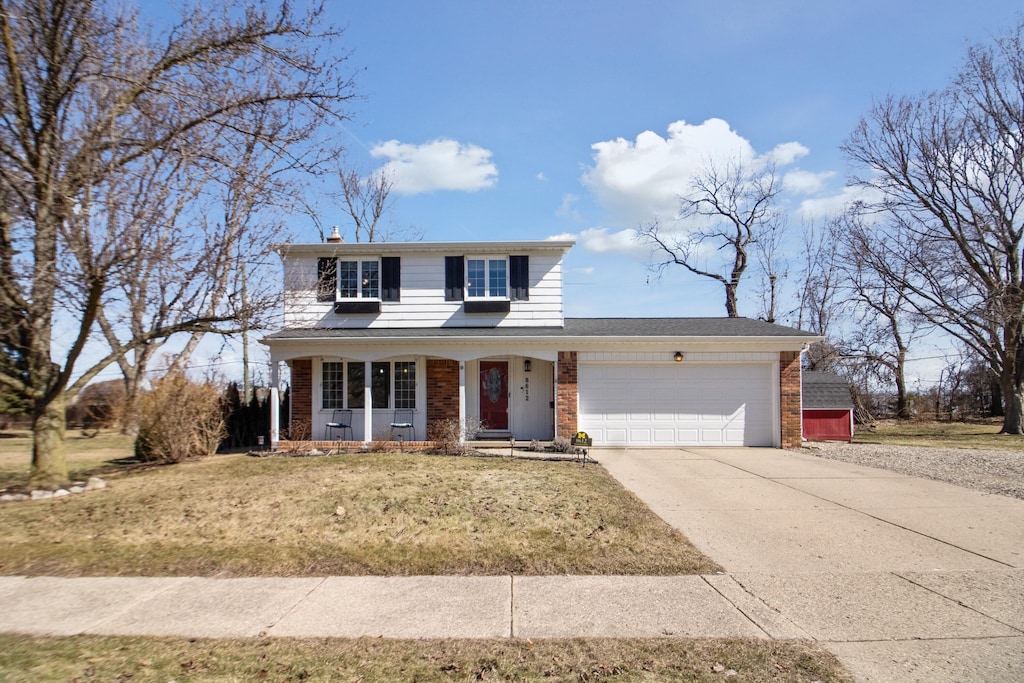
(367, 403)
(275, 404)
(275, 418)
(462, 401)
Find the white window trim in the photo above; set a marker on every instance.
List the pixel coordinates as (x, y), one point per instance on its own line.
(487, 278)
(391, 385)
(359, 279)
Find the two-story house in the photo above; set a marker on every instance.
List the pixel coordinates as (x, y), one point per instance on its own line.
(457, 330)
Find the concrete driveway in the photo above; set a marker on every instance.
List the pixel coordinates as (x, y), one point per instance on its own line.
(903, 578)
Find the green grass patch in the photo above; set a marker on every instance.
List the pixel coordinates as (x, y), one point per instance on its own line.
(87, 453)
(359, 514)
(26, 659)
(981, 434)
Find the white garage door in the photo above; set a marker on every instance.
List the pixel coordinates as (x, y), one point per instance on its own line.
(676, 405)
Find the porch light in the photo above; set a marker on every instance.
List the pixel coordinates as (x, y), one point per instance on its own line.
(527, 365)
(678, 357)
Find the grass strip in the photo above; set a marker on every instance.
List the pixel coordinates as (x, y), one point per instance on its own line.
(100, 658)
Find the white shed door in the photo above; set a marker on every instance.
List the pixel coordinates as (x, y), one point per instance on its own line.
(676, 405)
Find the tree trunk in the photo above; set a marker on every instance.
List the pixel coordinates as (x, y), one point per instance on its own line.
(902, 405)
(996, 407)
(1013, 405)
(730, 300)
(49, 467)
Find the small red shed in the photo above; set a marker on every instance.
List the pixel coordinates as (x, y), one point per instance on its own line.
(828, 407)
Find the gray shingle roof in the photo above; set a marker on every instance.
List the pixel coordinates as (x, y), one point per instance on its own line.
(574, 327)
(826, 391)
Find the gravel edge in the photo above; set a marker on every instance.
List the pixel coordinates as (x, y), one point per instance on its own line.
(997, 472)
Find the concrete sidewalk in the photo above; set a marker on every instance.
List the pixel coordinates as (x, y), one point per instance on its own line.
(393, 607)
(905, 579)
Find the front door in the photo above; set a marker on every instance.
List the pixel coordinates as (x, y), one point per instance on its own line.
(494, 394)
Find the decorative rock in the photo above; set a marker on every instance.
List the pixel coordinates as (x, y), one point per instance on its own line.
(20, 496)
(7, 498)
(95, 483)
(61, 492)
(76, 489)
(41, 495)
(339, 511)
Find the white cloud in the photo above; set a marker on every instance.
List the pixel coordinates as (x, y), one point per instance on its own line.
(438, 165)
(642, 179)
(541, 177)
(787, 153)
(566, 210)
(562, 237)
(805, 182)
(605, 240)
(826, 207)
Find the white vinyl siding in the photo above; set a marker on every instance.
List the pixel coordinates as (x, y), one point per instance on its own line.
(422, 303)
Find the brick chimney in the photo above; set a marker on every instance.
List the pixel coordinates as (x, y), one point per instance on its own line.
(335, 237)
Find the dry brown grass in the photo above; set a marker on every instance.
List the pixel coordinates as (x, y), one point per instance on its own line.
(373, 513)
(979, 434)
(94, 658)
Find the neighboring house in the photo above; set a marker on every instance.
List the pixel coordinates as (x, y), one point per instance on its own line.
(828, 407)
(458, 330)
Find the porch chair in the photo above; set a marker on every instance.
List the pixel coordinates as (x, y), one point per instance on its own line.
(403, 420)
(342, 420)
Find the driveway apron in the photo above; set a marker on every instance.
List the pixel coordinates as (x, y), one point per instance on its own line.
(903, 578)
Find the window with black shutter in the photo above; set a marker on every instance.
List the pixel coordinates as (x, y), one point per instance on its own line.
(454, 278)
(519, 278)
(391, 278)
(326, 279)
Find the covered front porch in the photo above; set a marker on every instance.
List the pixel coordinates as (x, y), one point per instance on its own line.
(350, 399)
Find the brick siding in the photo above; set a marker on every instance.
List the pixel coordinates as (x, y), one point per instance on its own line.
(790, 404)
(567, 398)
(301, 418)
(442, 390)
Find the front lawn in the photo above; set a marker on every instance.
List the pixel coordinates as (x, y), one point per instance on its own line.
(359, 514)
(930, 433)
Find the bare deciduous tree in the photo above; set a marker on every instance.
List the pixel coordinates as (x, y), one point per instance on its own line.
(87, 96)
(727, 209)
(950, 166)
(884, 325)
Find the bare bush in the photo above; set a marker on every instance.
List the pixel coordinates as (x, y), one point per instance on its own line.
(561, 444)
(179, 420)
(449, 436)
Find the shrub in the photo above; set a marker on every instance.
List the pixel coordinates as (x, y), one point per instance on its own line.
(449, 435)
(179, 420)
(562, 445)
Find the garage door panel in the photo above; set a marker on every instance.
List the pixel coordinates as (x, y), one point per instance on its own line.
(659, 405)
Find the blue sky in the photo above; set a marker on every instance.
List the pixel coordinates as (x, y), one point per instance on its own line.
(526, 120)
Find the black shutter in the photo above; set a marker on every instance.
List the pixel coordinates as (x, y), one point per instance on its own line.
(391, 278)
(326, 278)
(454, 277)
(519, 277)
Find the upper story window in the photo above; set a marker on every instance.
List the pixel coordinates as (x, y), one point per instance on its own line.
(486, 278)
(474, 277)
(377, 279)
(359, 279)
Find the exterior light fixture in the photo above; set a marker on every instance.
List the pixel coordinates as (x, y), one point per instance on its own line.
(527, 365)
(678, 357)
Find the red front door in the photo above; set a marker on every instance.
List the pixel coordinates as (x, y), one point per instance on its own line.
(494, 394)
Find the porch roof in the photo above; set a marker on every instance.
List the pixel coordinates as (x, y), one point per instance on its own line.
(574, 328)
